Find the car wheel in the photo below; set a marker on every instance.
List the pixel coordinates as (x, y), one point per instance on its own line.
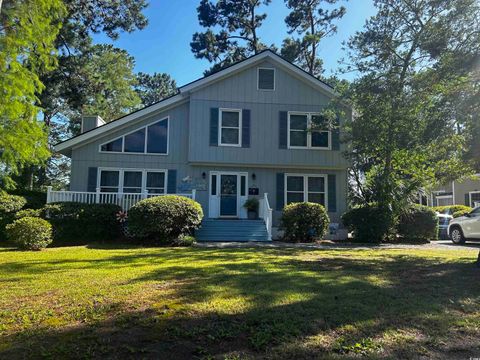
(457, 235)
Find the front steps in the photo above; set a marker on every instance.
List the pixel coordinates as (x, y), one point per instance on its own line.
(232, 230)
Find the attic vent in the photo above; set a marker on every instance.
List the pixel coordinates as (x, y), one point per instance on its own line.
(266, 79)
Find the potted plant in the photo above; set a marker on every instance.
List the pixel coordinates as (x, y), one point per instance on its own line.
(252, 208)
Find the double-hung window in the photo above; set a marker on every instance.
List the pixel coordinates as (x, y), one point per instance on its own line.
(306, 130)
(305, 188)
(230, 133)
(132, 181)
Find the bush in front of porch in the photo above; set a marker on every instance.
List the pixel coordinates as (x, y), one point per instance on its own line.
(164, 219)
(304, 222)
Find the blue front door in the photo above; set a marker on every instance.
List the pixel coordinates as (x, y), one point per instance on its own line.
(228, 195)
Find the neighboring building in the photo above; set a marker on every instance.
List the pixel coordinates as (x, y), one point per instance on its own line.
(244, 131)
(458, 192)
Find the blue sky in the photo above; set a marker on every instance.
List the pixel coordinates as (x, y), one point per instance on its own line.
(164, 45)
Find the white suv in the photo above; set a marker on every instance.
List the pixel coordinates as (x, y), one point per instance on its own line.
(465, 227)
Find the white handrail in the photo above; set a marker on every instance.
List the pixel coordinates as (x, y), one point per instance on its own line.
(124, 200)
(266, 214)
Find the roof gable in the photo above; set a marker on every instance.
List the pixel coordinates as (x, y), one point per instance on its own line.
(184, 91)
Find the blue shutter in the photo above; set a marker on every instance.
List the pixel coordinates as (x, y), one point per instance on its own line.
(332, 193)
(336, 136)
(467, 199)
(282, 141)
(172, 182)
(92, 179)
(280, 191)
(245, 128)
(214, 127)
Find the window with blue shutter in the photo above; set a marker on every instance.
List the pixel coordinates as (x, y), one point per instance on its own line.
(280, 198)
(283, 130)
(92, 179)
(332, 193)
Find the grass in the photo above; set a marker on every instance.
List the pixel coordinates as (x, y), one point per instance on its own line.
(174, 303)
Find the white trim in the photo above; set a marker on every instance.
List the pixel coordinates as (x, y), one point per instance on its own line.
(252, 60)
(309, 132)
(215, 199)
(274, 78)
(220, 126)
(121, 172)
(146, 126)
(67, 144)
(305, 186)
(470, 202)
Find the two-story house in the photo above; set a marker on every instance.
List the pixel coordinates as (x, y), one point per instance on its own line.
(245, 131)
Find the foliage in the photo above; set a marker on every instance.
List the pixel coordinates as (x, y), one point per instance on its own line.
(9, 205)
(22, 137)
(460, 213)
(369, 223)
(304, 222)
(238, 23)
(164, 218)
(450, 209)
(35, 199)
(415, 59)
(77, 223)
(30, 233)
(251, 204)
(312, 23)
(184, 241)
(419, 223)
(28, 213)
(154, 88)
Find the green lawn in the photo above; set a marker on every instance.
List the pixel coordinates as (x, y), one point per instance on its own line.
(175, 303)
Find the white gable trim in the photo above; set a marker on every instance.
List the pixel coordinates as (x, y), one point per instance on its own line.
(95, 133)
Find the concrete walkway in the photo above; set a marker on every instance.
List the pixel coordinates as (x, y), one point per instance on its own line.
(440, 245)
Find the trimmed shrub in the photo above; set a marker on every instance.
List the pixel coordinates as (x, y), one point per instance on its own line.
(418, 224)
(164, 219)
(369, 223)
(451, 209)
(79, 223)
(184, 241)
(9, 205)
(30, 233)
(304, 222)
(457, 214)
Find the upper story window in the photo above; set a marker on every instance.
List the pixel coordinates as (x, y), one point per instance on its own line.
(230, 127)
(150, 139)
(266, 79)
(305, 131)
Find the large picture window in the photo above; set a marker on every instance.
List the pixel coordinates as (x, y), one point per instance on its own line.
(150, 139)
(305, 188)
(305, 131)
(132, 181)
(230, 127)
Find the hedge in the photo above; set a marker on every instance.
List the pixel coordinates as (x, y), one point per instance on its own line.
(368, 223)
(163, 219)
(304, 222)
(451, 209)
(418, 224)
(79, 223)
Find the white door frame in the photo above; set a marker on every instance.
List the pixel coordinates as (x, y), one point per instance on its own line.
(214, 200)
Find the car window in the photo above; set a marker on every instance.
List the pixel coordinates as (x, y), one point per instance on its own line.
(475, 212)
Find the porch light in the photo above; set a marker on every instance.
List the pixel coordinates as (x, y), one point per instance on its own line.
(204, 175)
(254, 176)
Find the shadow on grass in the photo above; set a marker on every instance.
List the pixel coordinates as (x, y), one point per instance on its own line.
(286, 301)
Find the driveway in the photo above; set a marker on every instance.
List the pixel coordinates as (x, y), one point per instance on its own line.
(441, 244)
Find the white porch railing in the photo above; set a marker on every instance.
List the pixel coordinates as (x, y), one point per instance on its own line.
(266, 214)
(124, 200)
